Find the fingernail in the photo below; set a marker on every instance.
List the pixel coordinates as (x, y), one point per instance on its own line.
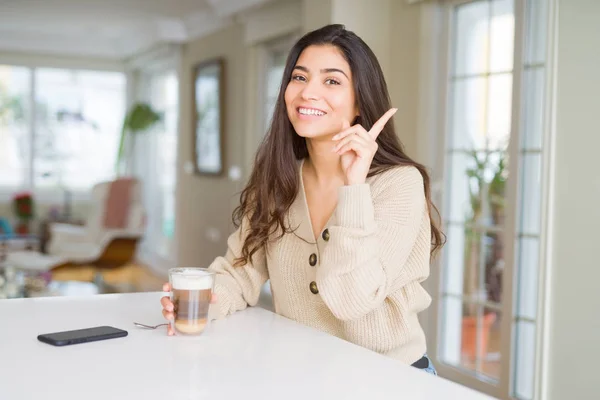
(335, 137)
(169, 307)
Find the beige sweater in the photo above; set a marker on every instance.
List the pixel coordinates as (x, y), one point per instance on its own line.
(364, 286)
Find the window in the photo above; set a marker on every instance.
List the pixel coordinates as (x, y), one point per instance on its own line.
(79, 115)
(71, 142)
(15, 134)
(275, 66)
(494, 146)
(274, 56)
(156, 162)
(164, 98)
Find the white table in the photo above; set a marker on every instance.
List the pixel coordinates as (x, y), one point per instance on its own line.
(253, 354)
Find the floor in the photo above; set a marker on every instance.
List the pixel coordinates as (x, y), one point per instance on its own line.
(136, 277)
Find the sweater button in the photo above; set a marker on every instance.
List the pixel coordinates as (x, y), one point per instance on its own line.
(313, 287)
(325, 235)
(312, 260)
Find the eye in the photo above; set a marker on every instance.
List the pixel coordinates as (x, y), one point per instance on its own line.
(331, 81)
(298, 78)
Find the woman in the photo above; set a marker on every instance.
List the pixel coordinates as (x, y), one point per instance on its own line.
(334, 214)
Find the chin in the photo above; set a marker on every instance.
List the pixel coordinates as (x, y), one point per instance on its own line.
(309, 132)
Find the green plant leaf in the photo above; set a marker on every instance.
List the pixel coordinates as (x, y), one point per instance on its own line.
(139, 119)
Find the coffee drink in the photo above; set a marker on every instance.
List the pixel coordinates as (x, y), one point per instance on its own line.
(191, 294)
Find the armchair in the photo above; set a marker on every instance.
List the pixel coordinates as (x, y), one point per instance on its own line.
(84, 244)
(111, 232)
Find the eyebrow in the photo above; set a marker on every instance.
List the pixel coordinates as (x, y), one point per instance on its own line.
(325, 70)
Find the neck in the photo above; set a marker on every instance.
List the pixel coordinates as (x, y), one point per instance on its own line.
(323, 163)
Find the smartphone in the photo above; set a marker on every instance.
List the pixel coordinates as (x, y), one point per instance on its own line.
(82, 335)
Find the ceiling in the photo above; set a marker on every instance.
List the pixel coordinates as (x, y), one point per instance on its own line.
(114, 29)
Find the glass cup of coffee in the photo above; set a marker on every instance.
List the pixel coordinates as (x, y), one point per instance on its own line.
(191, 292)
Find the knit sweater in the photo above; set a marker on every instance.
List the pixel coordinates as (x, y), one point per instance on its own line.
(359, 280)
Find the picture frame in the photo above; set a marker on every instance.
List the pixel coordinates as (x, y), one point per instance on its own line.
(208, 101)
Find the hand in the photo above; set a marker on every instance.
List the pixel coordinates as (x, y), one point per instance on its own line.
(168, 307)
(357, 148)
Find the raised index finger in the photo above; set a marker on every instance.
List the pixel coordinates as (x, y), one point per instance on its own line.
(378, 126)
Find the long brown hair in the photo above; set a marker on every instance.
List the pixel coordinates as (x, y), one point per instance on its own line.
(274, 182)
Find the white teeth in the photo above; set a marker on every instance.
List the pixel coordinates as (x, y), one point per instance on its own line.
(310, 111)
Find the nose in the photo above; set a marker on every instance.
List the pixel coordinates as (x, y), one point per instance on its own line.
(311, 90)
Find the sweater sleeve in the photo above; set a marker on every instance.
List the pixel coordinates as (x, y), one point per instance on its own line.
(366, 258)
(237, 287)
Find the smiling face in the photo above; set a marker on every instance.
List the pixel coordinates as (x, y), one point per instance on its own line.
(320, 94)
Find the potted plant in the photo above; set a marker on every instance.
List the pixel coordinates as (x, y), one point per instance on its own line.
(487, 181)
(140, 118)
(23, 208)
(11, 107)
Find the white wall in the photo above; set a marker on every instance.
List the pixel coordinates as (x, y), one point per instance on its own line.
(574, 330)
(372, 21)
(205, 203)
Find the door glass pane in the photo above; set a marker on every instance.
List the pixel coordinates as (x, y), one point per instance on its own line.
(502, 30)
(452, 311)
(155, 156)
(533, 88)
(165, 100)
(472, 288)
(15, 88)
(494, 266)
(471, 38)
(79, 115)
(490, 363)
(531, 193)
(480, 340)
(468, 113)
(499, 111)
(274, 73)
(472, 345)
(483, 266)
(454, 251)
(527, 283)
(536, 31)
(459, 209)
(276, 66)
(524, 360)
